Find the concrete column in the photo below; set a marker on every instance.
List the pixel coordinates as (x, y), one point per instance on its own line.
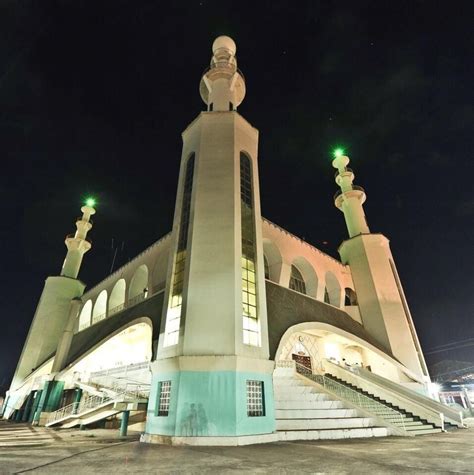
(35, 405)
(66, 339)
(28, 405)
(77, 399)
(124, 423)
(50, 398)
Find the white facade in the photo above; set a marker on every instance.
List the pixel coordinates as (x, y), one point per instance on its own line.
(216, 304)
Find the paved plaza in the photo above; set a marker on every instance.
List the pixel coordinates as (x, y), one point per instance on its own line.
(26, 449)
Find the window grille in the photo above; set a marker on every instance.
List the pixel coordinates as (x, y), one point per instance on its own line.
(296, 281)
(163, 405)
(255, 400)
(251, 325)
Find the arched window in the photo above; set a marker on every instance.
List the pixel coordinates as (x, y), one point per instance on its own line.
(350, 297)
(138, 290)
(117, 297)
(326, 295)
(296, 281)
(332, 294)
(100, 307)
(85, 316)
(266, 267)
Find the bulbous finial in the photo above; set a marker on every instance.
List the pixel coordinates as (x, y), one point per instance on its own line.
(226, 43)
(222, 85)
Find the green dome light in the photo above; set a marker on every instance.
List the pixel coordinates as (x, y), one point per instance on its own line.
(338, 152)
(90, 202)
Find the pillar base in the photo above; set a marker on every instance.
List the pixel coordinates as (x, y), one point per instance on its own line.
(210, 441)
(207, 400)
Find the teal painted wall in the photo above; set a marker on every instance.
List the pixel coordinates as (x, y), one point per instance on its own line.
(209, 404)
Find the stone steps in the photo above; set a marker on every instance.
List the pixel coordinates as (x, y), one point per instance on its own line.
(410, 423)
(333, 434)
(300, 404)
(303, 413)
(323, 423)
(314, 413)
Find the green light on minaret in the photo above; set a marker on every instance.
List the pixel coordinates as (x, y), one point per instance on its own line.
(90, 202)
(338, 152)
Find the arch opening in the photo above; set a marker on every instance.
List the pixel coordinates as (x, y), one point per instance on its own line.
(117, 297)
(85, 316)
(333, 289)
(273, 259)
(308, 273)
(100, 307)
(350, 298)
(297, 282)
(129, 347)
(326, 345)
(138, 289)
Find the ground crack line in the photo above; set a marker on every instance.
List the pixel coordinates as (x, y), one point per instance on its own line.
(73, 455)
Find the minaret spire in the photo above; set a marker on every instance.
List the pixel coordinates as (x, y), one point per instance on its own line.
(77, 244)
(350, 198)
(222, 85)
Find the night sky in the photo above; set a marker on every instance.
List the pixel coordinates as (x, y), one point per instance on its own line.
(94, 96)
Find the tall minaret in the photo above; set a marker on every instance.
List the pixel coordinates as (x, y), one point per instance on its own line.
(78, 244)
(54, 306)
(383, 307)
(213, 347)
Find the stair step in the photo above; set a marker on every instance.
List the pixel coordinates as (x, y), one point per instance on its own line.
(414, 428)
(333, 433)
(425, 431)
(286, 404)
(317, 424)
(314, 413)
(302, 397)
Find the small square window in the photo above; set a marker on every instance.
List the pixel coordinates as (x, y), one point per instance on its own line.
(163, 403)
(255, 399)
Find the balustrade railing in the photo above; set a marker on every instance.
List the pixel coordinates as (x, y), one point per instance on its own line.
(122, 390)
(118, 308)
(354, 188)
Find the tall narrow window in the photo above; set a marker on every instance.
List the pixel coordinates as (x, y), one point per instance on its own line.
(296, 281)
(251, 325)
(255, 399)
(164, 395)
(173, 316)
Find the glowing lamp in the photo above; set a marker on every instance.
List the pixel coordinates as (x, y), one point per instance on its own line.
(90, 202)
(338, 152)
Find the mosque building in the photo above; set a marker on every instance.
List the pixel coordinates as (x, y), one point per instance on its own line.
(230, 330)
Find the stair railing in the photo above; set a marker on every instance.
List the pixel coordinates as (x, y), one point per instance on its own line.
(392, 416)
(76, 408)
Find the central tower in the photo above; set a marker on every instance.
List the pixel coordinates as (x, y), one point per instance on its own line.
(212, 375)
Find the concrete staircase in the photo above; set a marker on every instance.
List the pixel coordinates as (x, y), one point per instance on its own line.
(303, 412)
(100, 402)
(409, 422)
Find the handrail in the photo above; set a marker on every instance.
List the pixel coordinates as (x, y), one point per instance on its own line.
(392, 416)
(427, 403)
(120, 369)
(92, 402)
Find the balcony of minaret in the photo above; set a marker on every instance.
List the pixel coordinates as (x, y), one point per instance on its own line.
(356, 191)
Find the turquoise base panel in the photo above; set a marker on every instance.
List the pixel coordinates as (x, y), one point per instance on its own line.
(209, 404)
